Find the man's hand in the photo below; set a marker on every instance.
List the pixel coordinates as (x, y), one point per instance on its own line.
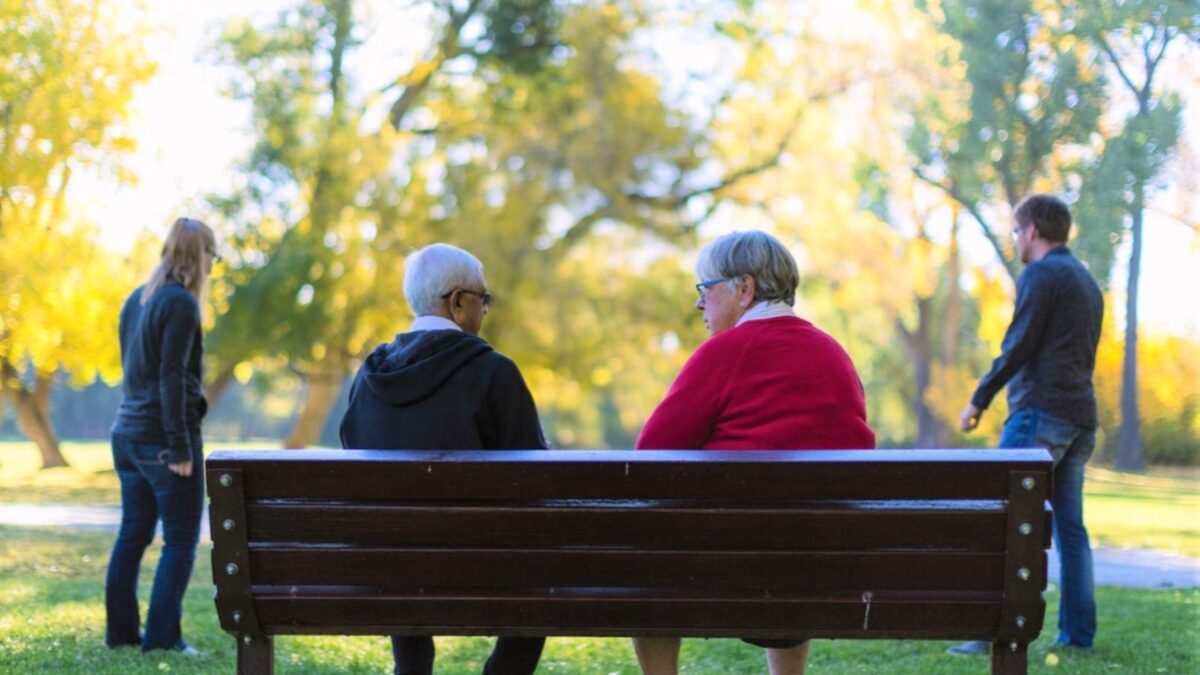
(182, 468)
(970, 417)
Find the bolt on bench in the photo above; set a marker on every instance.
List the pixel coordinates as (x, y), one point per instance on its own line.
(894, 544)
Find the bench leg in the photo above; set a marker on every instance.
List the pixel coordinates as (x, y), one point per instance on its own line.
(1007, 661)
(255, 655)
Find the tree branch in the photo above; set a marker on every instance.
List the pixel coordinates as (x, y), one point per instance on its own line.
(1116, 61)
(744, 172)
(341, 35)
(971, 208)
(583, 225)
(671, 201)
(1152, 66)
(418, 79)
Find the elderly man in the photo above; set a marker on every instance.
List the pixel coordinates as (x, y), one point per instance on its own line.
(440, 386)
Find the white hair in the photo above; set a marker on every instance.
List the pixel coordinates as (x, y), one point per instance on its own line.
(436, 270)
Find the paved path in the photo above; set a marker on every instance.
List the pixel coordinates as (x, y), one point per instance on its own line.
(84, 517)
(1137, 568)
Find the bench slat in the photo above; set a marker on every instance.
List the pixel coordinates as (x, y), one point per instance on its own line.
(697, 570)
(616, 617)
(514, 475)
(975, 526)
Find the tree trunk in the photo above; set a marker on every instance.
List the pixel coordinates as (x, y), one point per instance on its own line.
(217, 388)
(323, 385)
(930, 432)
(33, 413)
(321, 392)
(1129, 439)
(953, 316)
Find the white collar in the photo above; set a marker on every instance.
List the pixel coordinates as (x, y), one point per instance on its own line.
(433, 322)
(766, 310)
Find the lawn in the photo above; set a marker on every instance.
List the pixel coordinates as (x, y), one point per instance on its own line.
(52, 618)
(89, 479)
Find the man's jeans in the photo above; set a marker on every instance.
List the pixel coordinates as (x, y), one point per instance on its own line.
(150, 490)
(1070, 447)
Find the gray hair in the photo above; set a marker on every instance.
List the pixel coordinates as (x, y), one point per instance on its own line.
(435, 271)
(757, 254)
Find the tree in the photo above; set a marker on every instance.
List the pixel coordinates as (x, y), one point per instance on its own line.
(1017, 101)
(519, 149)
(322, 277)
(1036, 94)
(882, 258)
(1135, 37)
(67, 73)
(919, 276)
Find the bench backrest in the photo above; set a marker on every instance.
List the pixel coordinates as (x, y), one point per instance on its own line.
(942, 544)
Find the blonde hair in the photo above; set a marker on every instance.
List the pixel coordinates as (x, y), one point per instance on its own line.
(183, 258)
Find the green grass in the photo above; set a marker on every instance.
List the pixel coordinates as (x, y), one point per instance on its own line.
(1147, 511)
(1160, 510)
(89, 479)
(52, 621)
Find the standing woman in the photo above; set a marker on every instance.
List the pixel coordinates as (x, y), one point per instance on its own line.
(156, 441)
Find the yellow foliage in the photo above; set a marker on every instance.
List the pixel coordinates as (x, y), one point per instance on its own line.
(602, 377)
(243, 372)
(59, 300)
(995, 297)
(66, 78)
(950, 389)
(1168, 391)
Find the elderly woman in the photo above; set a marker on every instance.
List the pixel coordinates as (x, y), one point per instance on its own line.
(765, 380)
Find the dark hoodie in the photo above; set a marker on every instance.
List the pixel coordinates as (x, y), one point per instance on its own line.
(440, 390)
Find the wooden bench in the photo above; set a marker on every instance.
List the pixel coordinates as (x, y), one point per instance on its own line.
(896, 544)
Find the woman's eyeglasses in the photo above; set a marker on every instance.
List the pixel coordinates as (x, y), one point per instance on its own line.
(705, 285)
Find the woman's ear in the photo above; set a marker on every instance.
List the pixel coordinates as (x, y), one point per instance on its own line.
(749, 288)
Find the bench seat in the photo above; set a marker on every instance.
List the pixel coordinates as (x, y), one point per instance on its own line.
(896, 544)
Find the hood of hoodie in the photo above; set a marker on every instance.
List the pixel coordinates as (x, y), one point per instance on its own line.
(414, 365)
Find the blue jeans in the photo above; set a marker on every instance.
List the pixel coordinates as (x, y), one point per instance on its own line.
(1070, 447)
(149, 490)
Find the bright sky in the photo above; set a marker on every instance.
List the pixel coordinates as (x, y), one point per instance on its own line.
(190, 136)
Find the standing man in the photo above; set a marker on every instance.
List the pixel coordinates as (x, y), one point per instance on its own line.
(442, 387)
(1048, 358)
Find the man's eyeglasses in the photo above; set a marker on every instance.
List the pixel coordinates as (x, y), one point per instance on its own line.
(484, 296)
(705, 285)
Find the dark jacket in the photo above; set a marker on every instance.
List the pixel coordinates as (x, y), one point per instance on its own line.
(1049, 352)
(440, 390)
(161, 351)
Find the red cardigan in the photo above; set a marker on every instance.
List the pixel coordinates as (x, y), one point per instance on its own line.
(770, 384)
